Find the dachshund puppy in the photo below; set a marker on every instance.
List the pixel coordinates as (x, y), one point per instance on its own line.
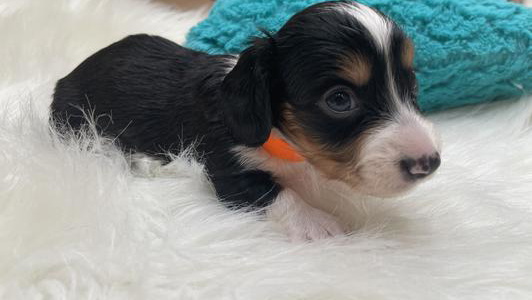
(328, 100)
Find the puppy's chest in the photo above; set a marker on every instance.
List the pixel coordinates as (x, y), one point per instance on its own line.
(299, 176)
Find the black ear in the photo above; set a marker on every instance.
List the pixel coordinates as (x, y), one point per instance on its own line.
(246, 95)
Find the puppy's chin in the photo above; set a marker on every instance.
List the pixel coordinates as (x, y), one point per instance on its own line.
(380, 190)
(391, 190)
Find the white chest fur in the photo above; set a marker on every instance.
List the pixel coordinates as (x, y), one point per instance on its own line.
(312, 187)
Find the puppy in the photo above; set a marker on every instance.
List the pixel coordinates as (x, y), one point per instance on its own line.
(334, 90)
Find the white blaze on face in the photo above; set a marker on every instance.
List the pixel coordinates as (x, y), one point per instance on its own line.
(406, 135)
(380, 29)
(377, 25)
(417, 135)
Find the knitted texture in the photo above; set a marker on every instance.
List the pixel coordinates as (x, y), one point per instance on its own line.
(467, 51)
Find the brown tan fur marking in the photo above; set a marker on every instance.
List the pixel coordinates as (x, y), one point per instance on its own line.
(356, 68)
(335, 164)
(407, 54)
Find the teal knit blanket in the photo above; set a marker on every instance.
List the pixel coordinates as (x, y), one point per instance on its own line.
(467, 51)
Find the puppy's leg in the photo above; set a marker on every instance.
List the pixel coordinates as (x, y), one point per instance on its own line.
(248, 189)
(302, 221)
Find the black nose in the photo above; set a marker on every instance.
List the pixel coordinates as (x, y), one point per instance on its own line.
(421, 167)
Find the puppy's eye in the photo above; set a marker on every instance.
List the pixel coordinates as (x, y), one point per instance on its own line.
(339, 101)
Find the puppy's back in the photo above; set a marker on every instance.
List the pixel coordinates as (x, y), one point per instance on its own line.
(132, 88)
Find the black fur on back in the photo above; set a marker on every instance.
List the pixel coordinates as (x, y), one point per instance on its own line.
(157, 97)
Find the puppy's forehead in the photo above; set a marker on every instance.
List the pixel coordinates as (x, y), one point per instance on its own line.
(376, 24)
(337, 20)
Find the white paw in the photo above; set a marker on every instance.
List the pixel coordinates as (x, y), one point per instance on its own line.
(302, 221)
(312, 225)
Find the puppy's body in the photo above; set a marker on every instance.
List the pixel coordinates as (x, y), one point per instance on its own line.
(157, 98)
(336, 82)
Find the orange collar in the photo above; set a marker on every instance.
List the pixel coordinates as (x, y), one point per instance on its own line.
(279, 148)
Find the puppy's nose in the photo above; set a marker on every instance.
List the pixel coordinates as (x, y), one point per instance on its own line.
(420, 167)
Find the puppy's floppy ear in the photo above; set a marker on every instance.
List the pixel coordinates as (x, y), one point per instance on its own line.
(246, 95)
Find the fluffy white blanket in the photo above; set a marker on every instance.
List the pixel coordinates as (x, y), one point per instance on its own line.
(80, 224)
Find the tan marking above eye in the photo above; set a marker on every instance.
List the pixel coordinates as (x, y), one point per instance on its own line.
(407, 54)
(356, 68)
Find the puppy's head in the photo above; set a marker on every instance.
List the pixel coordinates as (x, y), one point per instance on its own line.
(338, 81)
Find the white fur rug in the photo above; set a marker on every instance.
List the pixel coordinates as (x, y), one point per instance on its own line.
(79, 224)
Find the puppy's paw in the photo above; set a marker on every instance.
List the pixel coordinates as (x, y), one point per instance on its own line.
(302, 221)
(313, 224)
